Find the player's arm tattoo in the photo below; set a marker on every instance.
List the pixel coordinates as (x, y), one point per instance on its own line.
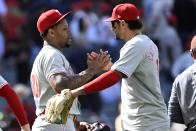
(62, 81)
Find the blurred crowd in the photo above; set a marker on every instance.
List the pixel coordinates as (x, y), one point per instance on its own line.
(169, 23)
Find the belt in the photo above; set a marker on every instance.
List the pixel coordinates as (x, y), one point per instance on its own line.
(43, 113)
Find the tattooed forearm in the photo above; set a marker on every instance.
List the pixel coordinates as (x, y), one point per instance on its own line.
(80, 79)
(62, 81)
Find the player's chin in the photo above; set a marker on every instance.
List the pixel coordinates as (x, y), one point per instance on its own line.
(68, 43)
(118, 38)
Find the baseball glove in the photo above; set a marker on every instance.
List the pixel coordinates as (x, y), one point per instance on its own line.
(58, 107)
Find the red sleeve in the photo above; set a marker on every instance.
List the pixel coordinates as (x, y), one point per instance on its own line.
(102, 82)
(14, 103)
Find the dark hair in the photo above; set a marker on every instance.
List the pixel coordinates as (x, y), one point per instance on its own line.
(134, 24)
(46, 32)
(131, 24)
(113, 22)
(193, 51)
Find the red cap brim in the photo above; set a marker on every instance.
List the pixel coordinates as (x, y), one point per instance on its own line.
(109, 19)
(62, 17)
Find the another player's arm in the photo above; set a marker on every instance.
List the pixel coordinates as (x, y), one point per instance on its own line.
(96, 63)
(16, 106)
(174, 109)
(25, 127)
(104, 81)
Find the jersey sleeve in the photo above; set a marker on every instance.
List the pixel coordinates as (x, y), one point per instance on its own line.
(130, 58)
(2, 82)
(53, 64)
(174, 110)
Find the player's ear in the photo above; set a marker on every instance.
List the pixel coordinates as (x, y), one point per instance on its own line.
(122, 22)
(51, 32)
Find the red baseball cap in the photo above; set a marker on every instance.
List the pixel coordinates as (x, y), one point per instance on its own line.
(48, 19)
(124, 12)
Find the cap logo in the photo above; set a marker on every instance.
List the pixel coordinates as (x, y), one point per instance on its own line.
(57, 11)
(138, 17)
(119, 16)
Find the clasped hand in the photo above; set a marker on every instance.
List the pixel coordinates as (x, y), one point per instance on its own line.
(99, 62)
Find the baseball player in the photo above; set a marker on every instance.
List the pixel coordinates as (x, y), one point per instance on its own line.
(143, 107)
(51, 72)
(14, 103)
(182, 105)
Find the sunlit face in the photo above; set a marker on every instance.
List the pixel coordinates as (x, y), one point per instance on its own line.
(62, 34)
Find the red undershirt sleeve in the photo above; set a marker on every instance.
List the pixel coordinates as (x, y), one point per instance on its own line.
(104, 81)
(14, 103)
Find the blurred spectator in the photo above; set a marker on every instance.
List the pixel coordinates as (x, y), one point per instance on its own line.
(23, 56)
(184, 60)
(3, 8)
(147, 9)
(3, 12)
(118, 126)
(32, 18)
(80, 22)
(110, 98)
(2, 45)
(33, 53)
(185, 11)
(181, 63)
(78, 26)
(170, 46)
(13, 21)
(159, 12)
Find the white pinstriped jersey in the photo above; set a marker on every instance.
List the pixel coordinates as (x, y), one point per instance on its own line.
(143, 107)
(48, 62)
(2, 82)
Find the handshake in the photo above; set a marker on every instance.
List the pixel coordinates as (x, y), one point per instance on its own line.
(58, 107)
